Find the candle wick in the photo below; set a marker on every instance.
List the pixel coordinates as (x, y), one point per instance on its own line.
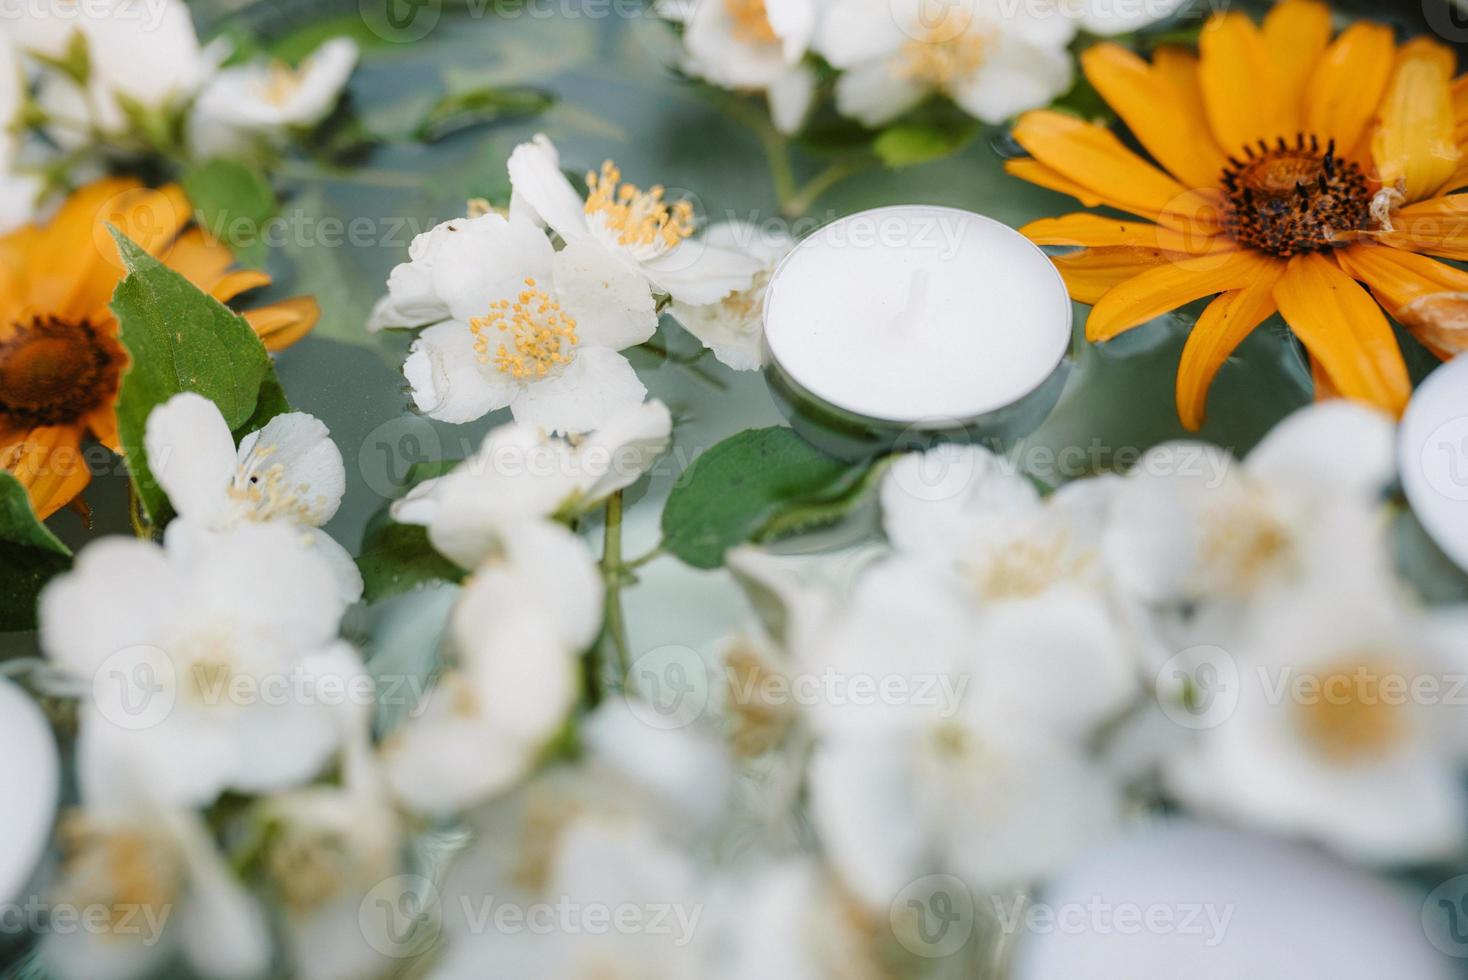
(915, 310)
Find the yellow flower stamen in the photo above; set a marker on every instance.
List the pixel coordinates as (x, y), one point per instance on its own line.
(264, 495)
(635, 216)
(1347, 717)
(1026, 566)
(751, 21)
(538, 334)
(940, 60)
(280, 84)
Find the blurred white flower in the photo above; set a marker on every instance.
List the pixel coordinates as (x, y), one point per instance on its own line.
(956, 743)
(142, 56)
(638, 230)
(288, 472)
(530, 327)
(1108, 18)
(520, 474)
(994, 59)
(30, 785)
(1190, 524)
(618, 901)
(968, 518)
(517, 631)
(262, 102)
(155, 871)
(213, 660)
(758, 45)
(1219, 904)
(1344, 725)
(732, 327)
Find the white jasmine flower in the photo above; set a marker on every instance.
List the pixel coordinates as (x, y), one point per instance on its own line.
(639, 229)
(141, 53)
(519, 473)
(213, 659)
(1189, 523)
(967, 753)
(531, 328)
(756, 44)
(598, 869)
(289, 472)
(154, 868)
(732, 327)
(31, 785)
(412, 298)
(262, 102)
(519, 627)
(967, 517)
(994, 59)
(1252, 905)
(1343, 728)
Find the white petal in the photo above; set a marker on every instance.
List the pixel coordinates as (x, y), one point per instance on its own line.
(222, 927)
(609, 301)
(542, 191)
(794, 21)
(525, 680)
(343, 566)
(487, 259)
(791, 96)
(1338, 445)
(856, 31)
(597, 384)
(446, 378)
(932, 501)
(716, 51)
(1108, 18)
(697, 272)
(873, 94)
(1014, 78)
(617, 454)
(192, 455)
(31, 784)
(311, 469)
(546, 568)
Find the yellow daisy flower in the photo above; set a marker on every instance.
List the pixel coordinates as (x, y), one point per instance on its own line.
(60, 360)
(1291, 170)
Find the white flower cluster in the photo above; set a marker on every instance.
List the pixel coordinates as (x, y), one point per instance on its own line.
(512, 318)
(993, 58)
(116, 78)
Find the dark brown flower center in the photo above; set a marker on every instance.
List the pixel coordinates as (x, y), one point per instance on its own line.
(1292, 198)
(54, 372)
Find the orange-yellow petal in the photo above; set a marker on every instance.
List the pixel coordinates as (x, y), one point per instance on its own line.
(1173, 283)
(62, 259)
(1040, 175)
(1428, 297)
(1091, 274)
(281, 324)
(1296, 32)
(1096, 231)
(1217, 334)
(1159, 118)
(1414, 145)
(1238, 82)
(1092, 156)
(1438, 226)
(1343, 93)
(48, 462)
(1343, 328)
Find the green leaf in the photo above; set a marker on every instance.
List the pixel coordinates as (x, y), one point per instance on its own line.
(234, 202)
(759, 485)
(479, 107)
(179, 339)
(908, 144)
(75, 62)
(29, 556)
(397, 558)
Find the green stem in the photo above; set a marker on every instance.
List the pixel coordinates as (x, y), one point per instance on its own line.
(776, 147)
(643, 559)
(142, 527)
(613, 572)
(802, 200)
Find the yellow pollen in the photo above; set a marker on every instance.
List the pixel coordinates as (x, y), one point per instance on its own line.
(121, 869)
(1347, 716)
(1243, 540)
(1025, 567)
(637, 217)
(281, 83)
(537, 335)
(940, 61)
(262, 493)
(751, 21)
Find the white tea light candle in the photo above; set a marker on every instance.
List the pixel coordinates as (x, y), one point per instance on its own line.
(917, 317)
(1433, 457)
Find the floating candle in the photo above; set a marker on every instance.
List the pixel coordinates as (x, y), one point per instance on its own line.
(1433, 457)
(915, 319)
